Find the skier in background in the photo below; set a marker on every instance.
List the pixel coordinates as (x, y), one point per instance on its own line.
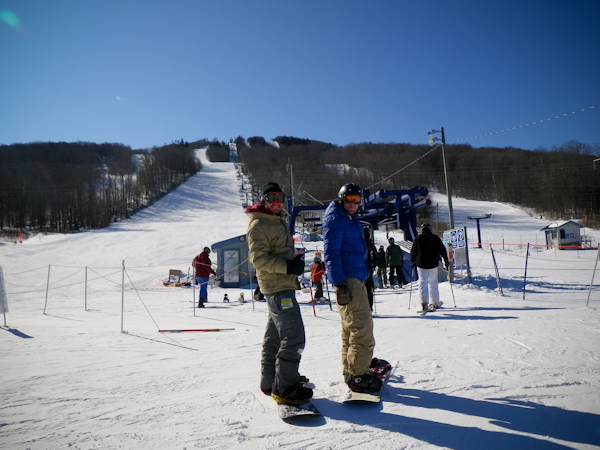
(395, 259)
(369, 283)
(316, 276)
(381, 263)
(203, 270)
(427, 249)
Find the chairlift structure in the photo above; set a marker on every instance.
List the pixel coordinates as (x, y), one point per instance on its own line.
(379, 208)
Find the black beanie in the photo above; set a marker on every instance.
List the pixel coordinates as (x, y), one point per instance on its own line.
(270, 187)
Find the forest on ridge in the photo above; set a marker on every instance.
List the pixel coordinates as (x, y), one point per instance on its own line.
(65, 187)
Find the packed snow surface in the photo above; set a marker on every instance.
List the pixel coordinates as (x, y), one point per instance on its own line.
(487, 371)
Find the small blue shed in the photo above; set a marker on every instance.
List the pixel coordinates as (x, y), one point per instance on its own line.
(234, 269)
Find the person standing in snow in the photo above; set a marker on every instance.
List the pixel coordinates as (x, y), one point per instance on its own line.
(381, 263)
(426, 251)
(203, 269)
(345, 259)
(370, 283)
(277, 267)
(395, 259)
(316, 276)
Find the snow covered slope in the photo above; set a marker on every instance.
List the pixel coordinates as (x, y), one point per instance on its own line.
(494, 372)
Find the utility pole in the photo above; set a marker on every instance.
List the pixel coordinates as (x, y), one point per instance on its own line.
(432, 141)
(291, 171)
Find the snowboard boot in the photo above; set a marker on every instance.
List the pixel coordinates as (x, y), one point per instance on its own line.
(380, 367)
(294, 395)
(366, 383)
(302, 381)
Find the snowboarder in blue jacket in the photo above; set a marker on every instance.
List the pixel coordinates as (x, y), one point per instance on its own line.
(345, 259)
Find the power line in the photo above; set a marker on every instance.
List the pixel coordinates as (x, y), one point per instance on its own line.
(560, 116)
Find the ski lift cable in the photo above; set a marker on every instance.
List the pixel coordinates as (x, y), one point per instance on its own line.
(405, 167)
(560, 116)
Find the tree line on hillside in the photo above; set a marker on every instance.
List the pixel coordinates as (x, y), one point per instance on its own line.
(68, 186)
(560, 183)
(64, 187)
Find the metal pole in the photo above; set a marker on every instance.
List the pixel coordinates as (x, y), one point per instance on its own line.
(193, 289)
(497, 272)
(448, 193)
(3, 296)
(122, 295)
(47, 287)
(85, 300)
(525, 277)
(593, 273)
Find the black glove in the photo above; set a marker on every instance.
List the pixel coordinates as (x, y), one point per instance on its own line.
(342, 293)
(296, 265)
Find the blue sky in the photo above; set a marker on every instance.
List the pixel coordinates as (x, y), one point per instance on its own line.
(146, 72)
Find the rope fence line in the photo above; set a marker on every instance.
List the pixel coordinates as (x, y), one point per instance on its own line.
(47, 287)
(140, 298)
(44, 288)
(459, 275)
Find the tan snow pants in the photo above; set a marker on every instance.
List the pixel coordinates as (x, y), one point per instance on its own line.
(358, 341)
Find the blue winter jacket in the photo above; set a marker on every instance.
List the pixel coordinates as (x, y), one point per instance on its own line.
(345, 247)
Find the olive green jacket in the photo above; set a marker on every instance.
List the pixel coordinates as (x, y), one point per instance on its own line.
(271, 246)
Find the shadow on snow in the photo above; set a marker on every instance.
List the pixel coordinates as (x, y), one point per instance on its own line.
(547, 422)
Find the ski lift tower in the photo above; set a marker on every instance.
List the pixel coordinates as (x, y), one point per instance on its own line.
(487, 216)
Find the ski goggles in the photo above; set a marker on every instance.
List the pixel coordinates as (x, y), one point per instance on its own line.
(354, 199)
(272, 197)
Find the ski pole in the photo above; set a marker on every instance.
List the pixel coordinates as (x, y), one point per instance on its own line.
(411, 282)
(312, 299)
(452, 290)
(328, 297)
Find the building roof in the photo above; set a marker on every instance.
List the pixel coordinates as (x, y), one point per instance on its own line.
(560, 224)
(228, 242)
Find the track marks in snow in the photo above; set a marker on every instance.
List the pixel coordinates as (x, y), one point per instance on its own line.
(514, 341)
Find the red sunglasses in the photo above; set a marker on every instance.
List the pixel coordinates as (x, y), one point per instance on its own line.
(271, 197)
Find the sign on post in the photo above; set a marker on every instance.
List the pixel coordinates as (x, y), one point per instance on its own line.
(457, 240)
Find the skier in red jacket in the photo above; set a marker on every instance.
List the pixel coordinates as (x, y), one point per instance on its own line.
(203, 269)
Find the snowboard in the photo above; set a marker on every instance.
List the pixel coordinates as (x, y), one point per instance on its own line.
(383, 369)
(292, 411)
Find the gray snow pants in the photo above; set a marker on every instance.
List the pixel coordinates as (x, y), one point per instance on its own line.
(283, 343)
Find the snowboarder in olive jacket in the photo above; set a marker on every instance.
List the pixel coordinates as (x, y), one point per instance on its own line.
(271, 250)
